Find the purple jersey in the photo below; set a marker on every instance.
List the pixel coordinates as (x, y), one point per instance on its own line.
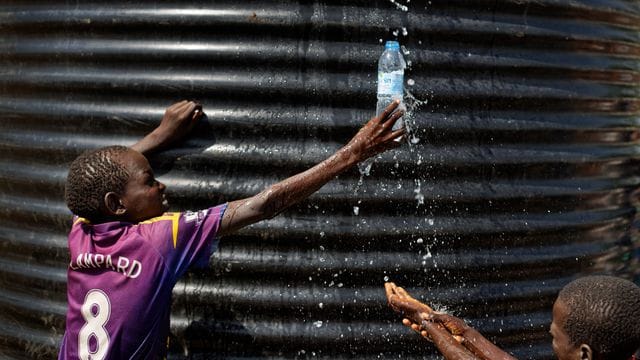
(120, 279)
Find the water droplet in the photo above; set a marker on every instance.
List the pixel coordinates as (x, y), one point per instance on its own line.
(400, 6)
(365, 167)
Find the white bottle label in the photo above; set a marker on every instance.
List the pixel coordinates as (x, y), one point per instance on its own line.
(390, 83)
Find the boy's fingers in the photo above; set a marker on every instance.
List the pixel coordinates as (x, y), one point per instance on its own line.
(194, 109)
(389, 109)
(388, 286)
(402, 292)
(177, 105)
(389, 289)
(197, 114)
(394, 135)
(177, 108)
(188, 107)
(415, 327)
(191, 106)
(407, 322)
(393, 118)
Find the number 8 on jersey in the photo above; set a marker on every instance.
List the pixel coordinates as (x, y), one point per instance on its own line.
(96, 311)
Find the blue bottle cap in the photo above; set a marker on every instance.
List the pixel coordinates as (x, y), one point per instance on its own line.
(392, 45)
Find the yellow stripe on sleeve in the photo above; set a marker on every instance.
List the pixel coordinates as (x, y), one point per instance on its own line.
(175, 220)
(81, 220)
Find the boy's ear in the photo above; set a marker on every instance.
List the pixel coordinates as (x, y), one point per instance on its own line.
(585, 352)
(113, 204)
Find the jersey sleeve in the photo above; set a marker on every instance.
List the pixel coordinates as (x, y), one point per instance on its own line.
(186, 239)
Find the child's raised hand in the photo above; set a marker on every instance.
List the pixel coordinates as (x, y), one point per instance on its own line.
(376, 136)
(400, 301)
(415, 313)
(178, 120)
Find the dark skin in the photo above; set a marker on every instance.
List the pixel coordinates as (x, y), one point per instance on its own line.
(178, 120)
(562, 345)
(450, 333)
(143, 197)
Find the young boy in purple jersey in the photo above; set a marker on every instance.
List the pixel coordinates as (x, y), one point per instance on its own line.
(127, 253)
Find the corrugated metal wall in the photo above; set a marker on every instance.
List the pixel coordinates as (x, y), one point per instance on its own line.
(520, 175)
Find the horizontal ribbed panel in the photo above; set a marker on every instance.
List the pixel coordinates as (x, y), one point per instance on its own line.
(520, 174)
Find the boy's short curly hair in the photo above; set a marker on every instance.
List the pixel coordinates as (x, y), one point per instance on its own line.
(92, 175)
(603, 312)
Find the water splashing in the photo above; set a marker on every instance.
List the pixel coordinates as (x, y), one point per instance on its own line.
(400, 6)
(418, 191)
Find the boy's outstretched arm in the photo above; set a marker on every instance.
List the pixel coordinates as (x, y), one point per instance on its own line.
(443, 329)
(472, 339)
(415, 312)
(374, 138)
(178, 120)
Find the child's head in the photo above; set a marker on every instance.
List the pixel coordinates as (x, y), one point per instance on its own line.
(114, 183)
(596, 317)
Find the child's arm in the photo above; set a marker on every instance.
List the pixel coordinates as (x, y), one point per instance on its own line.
(470, 337)
(178, 120)
(375, 137)
(434, 323)
(448, 346)
(415, 313)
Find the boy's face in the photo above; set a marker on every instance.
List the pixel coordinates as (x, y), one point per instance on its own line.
(562, 344)
(143, 196)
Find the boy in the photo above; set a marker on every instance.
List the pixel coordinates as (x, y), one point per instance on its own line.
(127, 253)
(594, 317)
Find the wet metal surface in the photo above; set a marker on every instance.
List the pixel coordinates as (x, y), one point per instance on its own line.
(521, 173)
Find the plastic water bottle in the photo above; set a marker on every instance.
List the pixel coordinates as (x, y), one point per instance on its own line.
(391, 79)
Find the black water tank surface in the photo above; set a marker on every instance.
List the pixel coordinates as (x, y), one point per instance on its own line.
(520, 173)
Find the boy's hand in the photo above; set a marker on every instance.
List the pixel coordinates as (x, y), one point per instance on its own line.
(376, 135)
(400, 301)
(455, 325)
(178, 120)
(416, 313)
